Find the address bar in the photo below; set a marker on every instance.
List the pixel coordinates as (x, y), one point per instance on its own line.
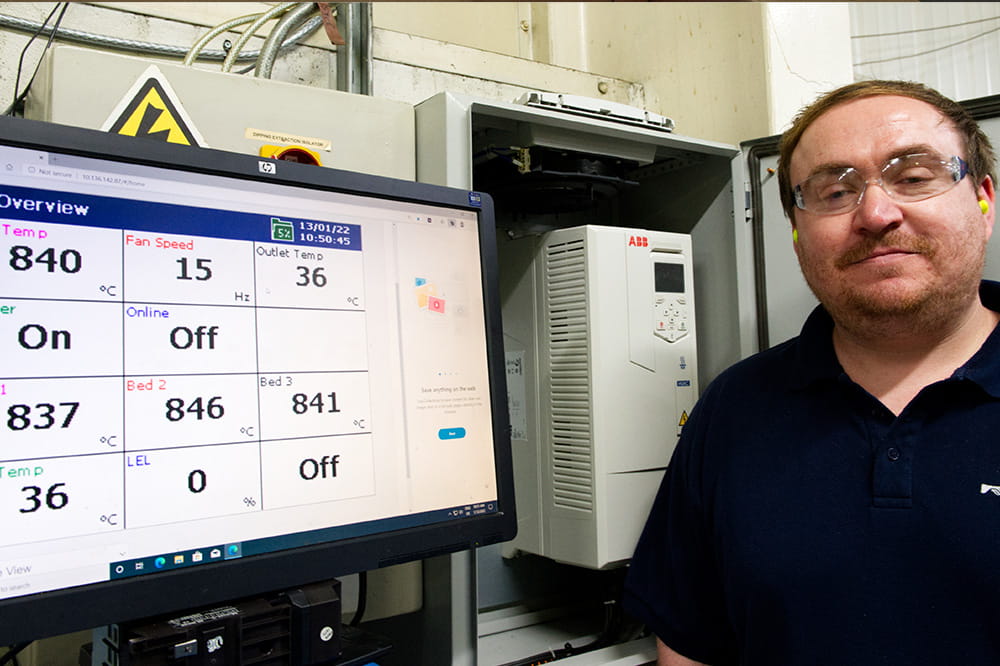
(182, 193)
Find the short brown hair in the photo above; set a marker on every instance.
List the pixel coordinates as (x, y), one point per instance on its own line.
(978, 150)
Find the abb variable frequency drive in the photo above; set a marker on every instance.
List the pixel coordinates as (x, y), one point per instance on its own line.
(599, 336)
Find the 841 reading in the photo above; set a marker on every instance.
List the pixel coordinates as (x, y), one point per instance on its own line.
(301, 406)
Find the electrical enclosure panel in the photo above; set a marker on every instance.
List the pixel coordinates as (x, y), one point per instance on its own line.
(85, 87)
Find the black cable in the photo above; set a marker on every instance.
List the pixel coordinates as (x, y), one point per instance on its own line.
(930, 29)
(18, 103)
(618, 628)
(608, 636)
(24, 51)
(362, 598)
(11, 655)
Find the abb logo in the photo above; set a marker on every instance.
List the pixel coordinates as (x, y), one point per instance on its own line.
(638, 241)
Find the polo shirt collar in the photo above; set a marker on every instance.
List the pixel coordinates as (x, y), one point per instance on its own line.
(984, 366)
(816, 359)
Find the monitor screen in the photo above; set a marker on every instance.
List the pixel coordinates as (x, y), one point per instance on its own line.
(223, 375)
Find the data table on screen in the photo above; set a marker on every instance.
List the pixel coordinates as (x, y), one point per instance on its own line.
(151, 377)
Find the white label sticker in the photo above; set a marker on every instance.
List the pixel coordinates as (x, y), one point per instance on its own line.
(516, 395)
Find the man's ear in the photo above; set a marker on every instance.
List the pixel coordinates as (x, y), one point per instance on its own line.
(987, 202)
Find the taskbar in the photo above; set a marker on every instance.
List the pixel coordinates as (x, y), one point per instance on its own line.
(181, 559)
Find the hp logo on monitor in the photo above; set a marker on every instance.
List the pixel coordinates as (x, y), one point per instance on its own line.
(267, 167)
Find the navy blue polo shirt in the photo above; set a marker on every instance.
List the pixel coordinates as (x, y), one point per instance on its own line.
(801, 522)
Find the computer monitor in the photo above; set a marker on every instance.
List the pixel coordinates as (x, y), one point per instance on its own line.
(222, 376)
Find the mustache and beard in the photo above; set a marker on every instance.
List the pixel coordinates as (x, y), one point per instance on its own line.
(894, 239)
(926, 296)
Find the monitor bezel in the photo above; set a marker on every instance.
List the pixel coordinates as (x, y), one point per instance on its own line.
(115, 601)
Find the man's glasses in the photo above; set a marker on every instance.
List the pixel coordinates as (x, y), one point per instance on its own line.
(906, 179)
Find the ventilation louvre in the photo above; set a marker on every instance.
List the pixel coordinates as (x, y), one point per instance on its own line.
(569, 398)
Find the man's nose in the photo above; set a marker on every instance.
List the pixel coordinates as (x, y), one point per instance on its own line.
(877, 210)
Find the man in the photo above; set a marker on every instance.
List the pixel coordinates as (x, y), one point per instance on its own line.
(836, 499)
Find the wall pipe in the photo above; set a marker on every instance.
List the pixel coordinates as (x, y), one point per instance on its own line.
(354, 59)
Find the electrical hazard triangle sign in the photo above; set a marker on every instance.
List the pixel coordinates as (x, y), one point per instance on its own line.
(683, 419)
(151, 110)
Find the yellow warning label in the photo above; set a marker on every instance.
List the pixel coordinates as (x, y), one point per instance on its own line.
(149, 112)
(684, 418)
(280, 137)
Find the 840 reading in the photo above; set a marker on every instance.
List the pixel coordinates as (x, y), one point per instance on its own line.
(68, 261)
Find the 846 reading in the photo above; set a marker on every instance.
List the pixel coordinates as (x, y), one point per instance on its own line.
(212, 409)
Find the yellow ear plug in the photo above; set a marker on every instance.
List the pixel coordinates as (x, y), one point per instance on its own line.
(984, 205)
(795, 235)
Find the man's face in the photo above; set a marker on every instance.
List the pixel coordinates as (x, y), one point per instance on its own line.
(885, 257)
